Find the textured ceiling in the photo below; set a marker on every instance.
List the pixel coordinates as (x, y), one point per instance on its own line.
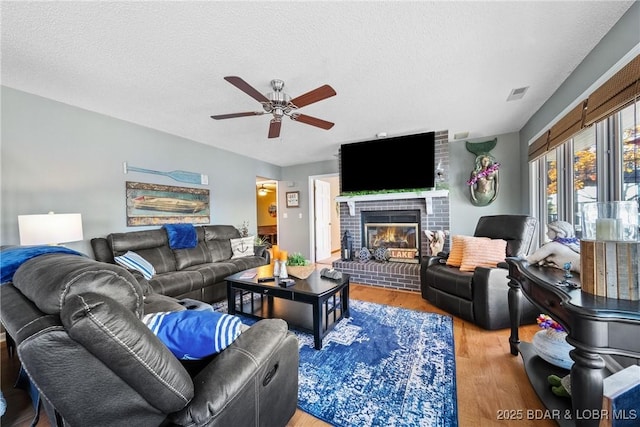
(397, 67)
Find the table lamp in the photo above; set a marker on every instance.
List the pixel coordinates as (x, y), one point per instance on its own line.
(49, 229)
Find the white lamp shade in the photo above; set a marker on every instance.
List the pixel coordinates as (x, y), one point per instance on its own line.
(49, 228)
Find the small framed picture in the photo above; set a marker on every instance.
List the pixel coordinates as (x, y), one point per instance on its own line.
(293, 199)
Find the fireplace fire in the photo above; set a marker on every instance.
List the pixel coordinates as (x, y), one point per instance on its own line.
(398, 231)
(391, 235)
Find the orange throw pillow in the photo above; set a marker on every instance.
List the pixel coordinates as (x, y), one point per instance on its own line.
(483, 252)
(457, 247)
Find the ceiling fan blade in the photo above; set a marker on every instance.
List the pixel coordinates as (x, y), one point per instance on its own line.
(318, 94)
(274, 128)
(232, 115)
(313, 121)
(246, 88)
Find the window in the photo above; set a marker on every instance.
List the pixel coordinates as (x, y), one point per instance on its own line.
(551, 185)
(599, 163)
(630, 168)
(591, 153)
(585, 175)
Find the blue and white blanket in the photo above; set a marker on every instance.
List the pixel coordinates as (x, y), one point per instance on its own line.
(194, 334)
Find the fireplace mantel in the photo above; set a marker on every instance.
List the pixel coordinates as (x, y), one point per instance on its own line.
(427, 195)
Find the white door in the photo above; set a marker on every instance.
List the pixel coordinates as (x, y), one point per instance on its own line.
(323, 219)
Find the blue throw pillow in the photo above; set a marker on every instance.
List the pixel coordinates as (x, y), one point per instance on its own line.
(194, 334)
(181, 236)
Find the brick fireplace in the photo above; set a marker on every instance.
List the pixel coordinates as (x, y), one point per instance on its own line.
(432, 208)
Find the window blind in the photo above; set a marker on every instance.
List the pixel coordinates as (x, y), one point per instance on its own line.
(539, 147)
(567, 126)
(615, 94)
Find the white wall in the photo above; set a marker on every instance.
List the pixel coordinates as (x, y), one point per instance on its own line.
(60, 158)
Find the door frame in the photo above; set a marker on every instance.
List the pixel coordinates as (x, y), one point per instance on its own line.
(260, 180)
(312, 213)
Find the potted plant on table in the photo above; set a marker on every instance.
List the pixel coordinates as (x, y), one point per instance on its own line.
(298, 266)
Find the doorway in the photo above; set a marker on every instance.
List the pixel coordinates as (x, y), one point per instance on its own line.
(325, 219)
(267, 210)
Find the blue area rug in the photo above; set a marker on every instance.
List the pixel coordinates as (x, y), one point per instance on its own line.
(383, 366)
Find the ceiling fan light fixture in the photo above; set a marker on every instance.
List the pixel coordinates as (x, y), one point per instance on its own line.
(278, 113)
(262, 192)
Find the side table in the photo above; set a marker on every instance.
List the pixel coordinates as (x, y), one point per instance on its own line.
(595, 325)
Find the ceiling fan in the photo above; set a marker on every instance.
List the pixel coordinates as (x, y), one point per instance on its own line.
(279, 104)
(263, 190)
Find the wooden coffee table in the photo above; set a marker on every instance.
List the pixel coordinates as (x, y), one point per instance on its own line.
(314, 304)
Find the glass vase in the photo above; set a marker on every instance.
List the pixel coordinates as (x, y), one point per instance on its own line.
(617, 221)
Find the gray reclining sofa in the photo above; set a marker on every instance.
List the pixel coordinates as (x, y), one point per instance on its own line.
(197, 273)
(79, 335)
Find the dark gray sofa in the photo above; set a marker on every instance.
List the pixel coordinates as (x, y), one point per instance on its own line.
(79, 335)
(197, 273)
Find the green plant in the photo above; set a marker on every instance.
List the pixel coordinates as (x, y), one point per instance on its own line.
(261, 241)
(364, 193)
(297, 259)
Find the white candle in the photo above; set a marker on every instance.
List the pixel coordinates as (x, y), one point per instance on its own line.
(607, 229)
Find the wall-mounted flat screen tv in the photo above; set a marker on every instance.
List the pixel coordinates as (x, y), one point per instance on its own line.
(398, 163)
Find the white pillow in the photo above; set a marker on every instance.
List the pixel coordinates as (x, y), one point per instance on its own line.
(242, 247)
(134, 261)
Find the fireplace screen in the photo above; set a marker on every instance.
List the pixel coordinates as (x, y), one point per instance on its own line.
(392, 235)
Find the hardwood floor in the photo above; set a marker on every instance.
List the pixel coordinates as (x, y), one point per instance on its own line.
(490, 381)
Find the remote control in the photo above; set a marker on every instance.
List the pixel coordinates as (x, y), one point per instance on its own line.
(266, 279)
(285, 283)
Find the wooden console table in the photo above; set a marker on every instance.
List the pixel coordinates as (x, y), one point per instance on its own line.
(595, 326)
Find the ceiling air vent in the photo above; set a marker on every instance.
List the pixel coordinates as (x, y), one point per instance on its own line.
(517, 93)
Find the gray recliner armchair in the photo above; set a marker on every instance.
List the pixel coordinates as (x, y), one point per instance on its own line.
(481, 296)
(77, 326)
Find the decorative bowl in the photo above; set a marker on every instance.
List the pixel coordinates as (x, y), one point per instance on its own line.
(552, 347)
(300, 271)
